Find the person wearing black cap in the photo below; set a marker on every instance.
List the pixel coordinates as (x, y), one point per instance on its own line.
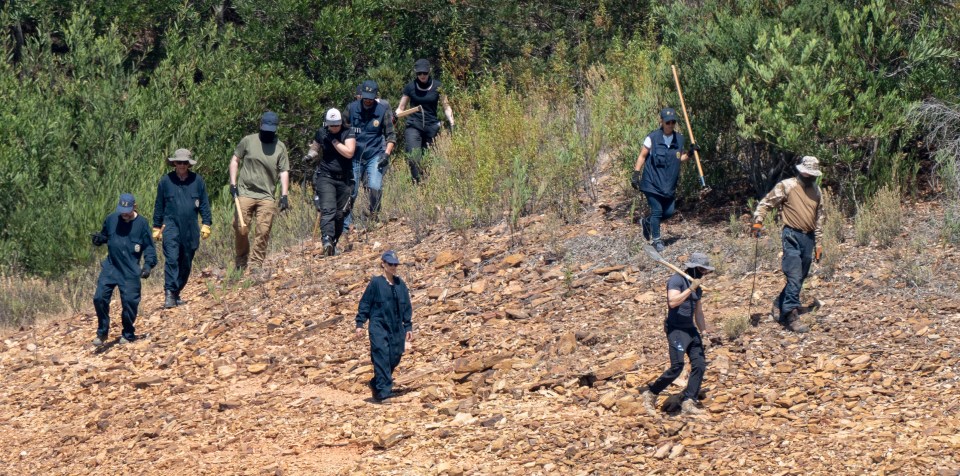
(127, 236)
(264, 162)
(426, 92)
(386, 304)
(181, 196)
(333, 177)
(684, 318)
(372, 123)
(664, 149)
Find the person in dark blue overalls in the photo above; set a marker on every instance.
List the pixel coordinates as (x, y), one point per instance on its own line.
(422, 127)
(664, 148)
(181, 196)
(372, 123)
(127, 236)
(386, 304)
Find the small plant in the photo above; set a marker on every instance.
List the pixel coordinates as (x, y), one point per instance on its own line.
(733, 226)
(734, 327)
(832, 235)
(880, 219)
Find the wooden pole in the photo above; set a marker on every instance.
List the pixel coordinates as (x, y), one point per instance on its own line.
(686, 119)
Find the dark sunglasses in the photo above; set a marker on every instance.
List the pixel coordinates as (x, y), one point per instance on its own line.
(423, 74)
(390, 264)
(670, 122)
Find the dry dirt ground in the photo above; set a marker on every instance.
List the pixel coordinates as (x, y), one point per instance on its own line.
(529, 354)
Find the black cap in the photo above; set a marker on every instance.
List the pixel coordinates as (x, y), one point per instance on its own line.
(269, 122)
(421, 66)
(369, 89)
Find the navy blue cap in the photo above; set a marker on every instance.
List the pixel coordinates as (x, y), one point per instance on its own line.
(390, 257)
(126, 203)
(369, 89)
(668, 114)
(269, 121)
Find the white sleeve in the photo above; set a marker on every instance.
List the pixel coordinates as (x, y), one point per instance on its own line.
(648, 143)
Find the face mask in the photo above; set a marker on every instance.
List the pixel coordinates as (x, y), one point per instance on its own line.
(268, 137)
(695, 273)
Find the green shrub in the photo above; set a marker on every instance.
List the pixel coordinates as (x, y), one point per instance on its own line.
(833, 222)
(734, 327)
(880, 219)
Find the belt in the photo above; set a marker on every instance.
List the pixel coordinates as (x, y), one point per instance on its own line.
(340, 176)
(798, 230)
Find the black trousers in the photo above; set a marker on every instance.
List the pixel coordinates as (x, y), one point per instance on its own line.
(331, 197)
(683, 342)
(415, 142)
(178, 263)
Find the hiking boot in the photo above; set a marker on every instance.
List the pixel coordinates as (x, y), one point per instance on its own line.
(792, 322)
(180, 302)
(649, 402)
(169, 300)
(689, 407)
(327, 246)
(127, 340)
(645, 227)
(98, 341)
(659, 246)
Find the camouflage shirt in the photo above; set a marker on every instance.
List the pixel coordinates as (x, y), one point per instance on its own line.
(800, 208)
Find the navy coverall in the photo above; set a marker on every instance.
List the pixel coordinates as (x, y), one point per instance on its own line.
(127, 242)
(390, 314)
(178, 203)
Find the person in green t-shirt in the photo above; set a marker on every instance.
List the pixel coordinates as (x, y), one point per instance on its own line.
(264, 160)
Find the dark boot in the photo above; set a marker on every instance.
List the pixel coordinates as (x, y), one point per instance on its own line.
(792, 322)
(176, 296)
(170, 300)
(327, 246)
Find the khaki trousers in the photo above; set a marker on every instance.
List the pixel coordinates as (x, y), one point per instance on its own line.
(263, 212)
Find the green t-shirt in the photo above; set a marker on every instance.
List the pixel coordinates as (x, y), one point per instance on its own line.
(260, 166)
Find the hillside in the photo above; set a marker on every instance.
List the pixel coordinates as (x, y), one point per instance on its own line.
(521, 364)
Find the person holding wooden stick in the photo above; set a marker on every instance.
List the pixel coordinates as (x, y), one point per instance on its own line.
(258, 162)
(684, 323)
(426, 93)
(663, 149)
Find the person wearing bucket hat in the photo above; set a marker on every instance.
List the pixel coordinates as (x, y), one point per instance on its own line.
(386, 304)
(127, 236)
(663, 149)
(799, 201)
(333, 147)
(421, 128)
(181, 197)
(683, 325)
(372, 123)
(259, 161)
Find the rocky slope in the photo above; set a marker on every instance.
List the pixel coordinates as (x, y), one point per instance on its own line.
(522, 363)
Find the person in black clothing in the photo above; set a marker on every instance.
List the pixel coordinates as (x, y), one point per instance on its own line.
(423, 126)
(127, 236)
(333, 177)
(684, 317)
(181, 196)
(386, 304)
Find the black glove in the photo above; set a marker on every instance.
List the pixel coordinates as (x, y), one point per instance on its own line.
(694, 148)
(384, 160)
(635, 180)
(98, 238)
(284, 203)
(234, 191)
(145, 272)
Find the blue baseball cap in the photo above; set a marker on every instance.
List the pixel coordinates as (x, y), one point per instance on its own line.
(269, 121)
(668, 114)
(126, 203)
(369, 89)
(390, 257)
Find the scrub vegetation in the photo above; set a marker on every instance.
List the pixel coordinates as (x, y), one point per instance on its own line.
(95, 95)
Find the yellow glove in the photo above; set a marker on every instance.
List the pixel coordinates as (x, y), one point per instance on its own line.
(205, 232)
(158, 234)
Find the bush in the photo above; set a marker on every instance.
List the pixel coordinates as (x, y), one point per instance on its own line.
(734, 327)
(833, 222)
(21, 300)
(880, 219)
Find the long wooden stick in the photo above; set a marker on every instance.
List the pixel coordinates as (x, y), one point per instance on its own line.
(652, 253)
(408, 112)
(686, 119)
(236, 202)
(316, 226)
